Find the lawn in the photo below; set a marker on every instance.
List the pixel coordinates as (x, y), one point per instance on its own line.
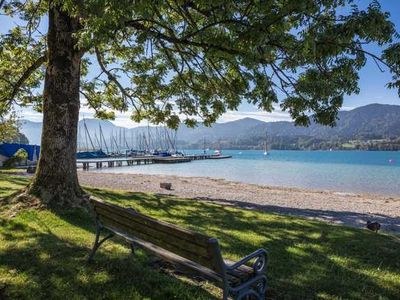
(42, 253)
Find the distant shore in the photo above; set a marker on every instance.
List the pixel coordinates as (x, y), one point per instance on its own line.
(329, 206)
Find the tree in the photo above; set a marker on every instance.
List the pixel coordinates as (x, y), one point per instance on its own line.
(20, 139)
(8, 128)
(169, 61)
(20, 156)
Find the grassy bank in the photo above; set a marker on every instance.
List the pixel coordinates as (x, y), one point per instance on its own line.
(42, 253)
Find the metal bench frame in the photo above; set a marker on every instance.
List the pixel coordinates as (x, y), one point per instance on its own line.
(253, 288)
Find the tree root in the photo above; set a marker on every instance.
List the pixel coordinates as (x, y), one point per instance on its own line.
(25, 199)
(20, 200)
(59, 196)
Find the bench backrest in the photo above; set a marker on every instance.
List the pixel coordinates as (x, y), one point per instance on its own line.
(186, 243)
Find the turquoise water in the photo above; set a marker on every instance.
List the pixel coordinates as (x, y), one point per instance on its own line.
(376, 172)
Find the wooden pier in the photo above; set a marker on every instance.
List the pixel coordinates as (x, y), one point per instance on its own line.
(111, 162)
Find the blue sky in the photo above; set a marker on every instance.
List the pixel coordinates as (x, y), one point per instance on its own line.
(372, 83)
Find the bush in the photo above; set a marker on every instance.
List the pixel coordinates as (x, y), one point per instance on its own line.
(18, 157)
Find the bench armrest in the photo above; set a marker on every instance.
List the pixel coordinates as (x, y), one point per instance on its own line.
(260, 264)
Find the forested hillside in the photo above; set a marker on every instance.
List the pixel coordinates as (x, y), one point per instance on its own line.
(371, 127)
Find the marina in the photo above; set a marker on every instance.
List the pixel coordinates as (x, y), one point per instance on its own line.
(155, 145)
(111, 162)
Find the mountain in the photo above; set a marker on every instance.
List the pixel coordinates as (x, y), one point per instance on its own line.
(366, 124)
(374, 126)
(370, 121)
(219, 131)
(32, 130)
(227, 130)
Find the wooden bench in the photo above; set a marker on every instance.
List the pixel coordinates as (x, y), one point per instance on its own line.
(190, 250)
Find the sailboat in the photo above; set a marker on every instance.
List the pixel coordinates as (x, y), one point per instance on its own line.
(265, 145)
(89, 151)
(265, 149)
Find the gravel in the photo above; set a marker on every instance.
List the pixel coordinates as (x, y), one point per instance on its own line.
(329, 206)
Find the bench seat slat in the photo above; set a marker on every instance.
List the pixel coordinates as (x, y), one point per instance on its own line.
(154, 232)
(242, 268)
(182, 252)
(182, 233)
(206, 273)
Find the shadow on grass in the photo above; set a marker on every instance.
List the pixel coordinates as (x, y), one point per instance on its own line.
(10, 184)
(337, 217)
(45, 257)
(308, 259)
(42, 254)
(15, 180)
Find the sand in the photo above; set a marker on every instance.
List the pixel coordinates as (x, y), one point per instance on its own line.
(329, 206)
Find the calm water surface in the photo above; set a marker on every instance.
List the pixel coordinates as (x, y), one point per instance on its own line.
(346, 171)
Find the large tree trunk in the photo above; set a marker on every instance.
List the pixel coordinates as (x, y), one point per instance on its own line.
(56, 180)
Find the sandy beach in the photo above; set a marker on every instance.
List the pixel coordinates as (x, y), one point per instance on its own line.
(329, 206)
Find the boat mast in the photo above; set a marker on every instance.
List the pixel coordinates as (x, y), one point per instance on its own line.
(88, 135)
(97, 140)
(126, 142)
(111, 141)
(116, 143)
(86, 138)
(120, 144)
(102, 136)
(132, 143)
(265, 144)
(149, 139)
(79, 142)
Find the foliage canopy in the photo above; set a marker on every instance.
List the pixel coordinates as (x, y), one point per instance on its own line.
(8, 128)
(170, 61)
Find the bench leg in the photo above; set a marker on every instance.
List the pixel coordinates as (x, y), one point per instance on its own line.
(255, 288)
(249, 294)
(98, 242)
(225, 295)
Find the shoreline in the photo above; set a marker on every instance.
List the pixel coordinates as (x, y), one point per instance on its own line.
(333, 207)
(283, 187)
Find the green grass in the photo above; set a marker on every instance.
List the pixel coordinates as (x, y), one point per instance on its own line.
(12, 170)
(348, 146)
(10, 183)
(42, 253)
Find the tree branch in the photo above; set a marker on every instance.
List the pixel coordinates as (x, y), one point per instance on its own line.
(25, 76)
(176, 40)
(112, 78)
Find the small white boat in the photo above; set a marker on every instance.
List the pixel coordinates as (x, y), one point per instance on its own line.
(265, 149)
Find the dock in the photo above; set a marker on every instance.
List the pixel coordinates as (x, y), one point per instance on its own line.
(112, 162)
(219, 156)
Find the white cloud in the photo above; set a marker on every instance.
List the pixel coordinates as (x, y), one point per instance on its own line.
(274, 116)
(124, 120)
(28, 114)
(347, 108)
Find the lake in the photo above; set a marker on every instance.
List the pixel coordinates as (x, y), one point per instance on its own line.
(376, 172)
